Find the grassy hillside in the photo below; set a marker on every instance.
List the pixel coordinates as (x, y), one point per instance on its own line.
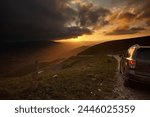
(115, 46)
(76, 78)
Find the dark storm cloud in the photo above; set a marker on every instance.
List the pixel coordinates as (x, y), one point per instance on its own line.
(37, 19)
(128, 15)
(91, 16)
(148, 22)
(140, 6)
(125, 31)
(145, 15)
(75, 31)
(129, 20)
(137, 2)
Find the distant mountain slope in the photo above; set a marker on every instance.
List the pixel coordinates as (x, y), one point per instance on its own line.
(117, 46)
(78, 50)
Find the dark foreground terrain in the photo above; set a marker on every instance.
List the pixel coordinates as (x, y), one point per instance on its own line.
(92, 74)
(79, 77)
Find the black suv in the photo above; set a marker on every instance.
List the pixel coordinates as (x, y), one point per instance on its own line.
(135, 65)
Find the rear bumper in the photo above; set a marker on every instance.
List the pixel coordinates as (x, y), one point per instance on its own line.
(138, 78)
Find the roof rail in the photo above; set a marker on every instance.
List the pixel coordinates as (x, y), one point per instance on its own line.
(136, 45)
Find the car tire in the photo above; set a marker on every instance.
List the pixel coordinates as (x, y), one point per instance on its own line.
(120, 67)
(120, 71)
(126, 83)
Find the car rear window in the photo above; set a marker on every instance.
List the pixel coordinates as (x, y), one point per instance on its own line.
(143, 53)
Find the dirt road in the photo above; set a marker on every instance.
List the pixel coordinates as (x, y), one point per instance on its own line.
(136, 92)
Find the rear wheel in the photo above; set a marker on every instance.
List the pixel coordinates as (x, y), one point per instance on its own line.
(126, 83)
(120, 67)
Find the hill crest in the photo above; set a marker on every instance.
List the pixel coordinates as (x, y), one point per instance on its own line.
(117, 46)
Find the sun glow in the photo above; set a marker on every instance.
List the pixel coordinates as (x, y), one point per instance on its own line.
(84, 38)
(99, 37)
(77, 39)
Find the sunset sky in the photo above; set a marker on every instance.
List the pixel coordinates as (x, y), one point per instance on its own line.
(75, 20)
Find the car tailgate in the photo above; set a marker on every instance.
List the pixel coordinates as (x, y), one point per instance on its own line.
(142, 67)
(143, 62)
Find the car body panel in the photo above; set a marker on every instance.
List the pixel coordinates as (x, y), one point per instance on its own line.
(143, 67)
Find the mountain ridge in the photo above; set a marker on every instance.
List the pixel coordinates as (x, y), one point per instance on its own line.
(115, 47)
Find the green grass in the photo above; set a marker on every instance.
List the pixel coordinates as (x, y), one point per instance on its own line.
(75, 78)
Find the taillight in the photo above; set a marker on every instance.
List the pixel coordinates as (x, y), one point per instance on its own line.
(132, 63)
